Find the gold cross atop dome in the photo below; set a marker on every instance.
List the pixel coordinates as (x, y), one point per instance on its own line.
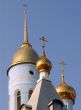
(64, 90)
(43, 64)
(43, 40)
(63, 64)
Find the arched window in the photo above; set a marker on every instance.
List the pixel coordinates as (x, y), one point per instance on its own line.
(18, 100)
(30, 93)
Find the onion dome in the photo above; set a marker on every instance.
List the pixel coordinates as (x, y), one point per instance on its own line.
(25, 54)
(43, 64)
(65, 91)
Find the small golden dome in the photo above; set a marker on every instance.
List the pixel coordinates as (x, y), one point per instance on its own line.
(43, 64)
(25, 54)
(65, 91)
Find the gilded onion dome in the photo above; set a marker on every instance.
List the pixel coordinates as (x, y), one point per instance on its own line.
(25, 54)
(65, 91)
(43, 64)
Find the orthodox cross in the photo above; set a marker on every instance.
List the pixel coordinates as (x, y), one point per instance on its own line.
(25, 8)
(63, 64)
(43, 40)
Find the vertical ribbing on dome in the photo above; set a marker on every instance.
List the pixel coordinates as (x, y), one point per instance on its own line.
(25, 30)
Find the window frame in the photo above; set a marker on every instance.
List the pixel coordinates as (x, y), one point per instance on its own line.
(18, 99)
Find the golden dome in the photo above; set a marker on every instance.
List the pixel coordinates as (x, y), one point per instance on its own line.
(43, 64)
(25, 54)
(65, 91)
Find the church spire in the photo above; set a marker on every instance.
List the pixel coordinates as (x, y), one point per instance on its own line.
(25, 29)
(26, 41)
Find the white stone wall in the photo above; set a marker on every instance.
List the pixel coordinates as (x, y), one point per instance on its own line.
(21, 79)
(69, 104)
(44, 75)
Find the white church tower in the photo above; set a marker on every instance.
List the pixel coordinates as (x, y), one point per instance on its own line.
(66, 92)
(22, 73)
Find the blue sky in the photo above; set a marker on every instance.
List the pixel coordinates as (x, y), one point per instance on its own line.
(59, 21)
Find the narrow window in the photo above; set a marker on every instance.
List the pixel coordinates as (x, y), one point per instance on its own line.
(18, 100)
(30, 93)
